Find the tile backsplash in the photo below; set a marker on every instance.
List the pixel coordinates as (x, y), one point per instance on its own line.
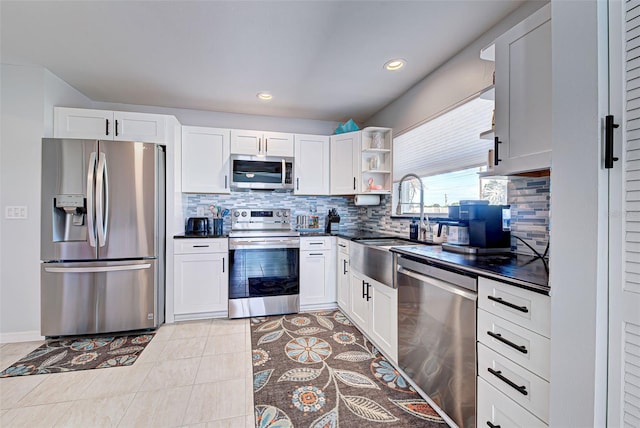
(530, 209)
(529, 199)
(299, 205)
(530, 212)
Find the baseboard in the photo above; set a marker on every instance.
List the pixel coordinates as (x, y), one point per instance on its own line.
(318, 307)
(21, 336)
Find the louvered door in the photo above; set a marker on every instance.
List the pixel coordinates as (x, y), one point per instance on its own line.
(624, 190)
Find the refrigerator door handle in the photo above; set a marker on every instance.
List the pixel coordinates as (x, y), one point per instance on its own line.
(102, 199)
(93, 269)
(91, 193)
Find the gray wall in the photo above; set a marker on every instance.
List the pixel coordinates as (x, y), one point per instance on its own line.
(456, 80)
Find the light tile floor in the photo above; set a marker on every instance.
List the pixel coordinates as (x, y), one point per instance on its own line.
(195, 374)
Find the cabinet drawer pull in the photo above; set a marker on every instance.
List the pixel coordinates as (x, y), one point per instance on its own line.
(498, 336)
(200, 246)
(509, 304)
(497, 373)
(316, 243)
(315, 254)
(489, 424)
(342, 245)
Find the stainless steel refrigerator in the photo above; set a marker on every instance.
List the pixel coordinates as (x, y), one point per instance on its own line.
(102, 236)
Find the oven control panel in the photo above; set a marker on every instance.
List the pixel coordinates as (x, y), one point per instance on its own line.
(260, 219)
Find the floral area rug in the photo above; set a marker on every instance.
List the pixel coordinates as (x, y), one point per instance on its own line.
(69, 354)
(317, 370)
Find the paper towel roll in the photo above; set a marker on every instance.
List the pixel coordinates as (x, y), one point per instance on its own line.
(366, 200)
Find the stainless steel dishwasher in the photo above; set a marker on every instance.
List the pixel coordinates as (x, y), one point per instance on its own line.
(437, 334)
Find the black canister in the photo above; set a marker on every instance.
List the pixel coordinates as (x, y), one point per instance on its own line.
(413, 229)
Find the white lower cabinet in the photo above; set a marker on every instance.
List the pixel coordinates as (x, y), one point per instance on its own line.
(374, 309)
(343, 282)
(200, 277)
(495, 409)
(513, 355)
(317, 273)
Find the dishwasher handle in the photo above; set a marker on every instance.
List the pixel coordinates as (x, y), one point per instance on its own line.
(452, 288)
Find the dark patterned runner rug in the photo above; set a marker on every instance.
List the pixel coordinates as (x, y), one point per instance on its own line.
(317, 370)
(69, 354)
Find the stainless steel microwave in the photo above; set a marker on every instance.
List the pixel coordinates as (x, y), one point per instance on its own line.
(260, 172)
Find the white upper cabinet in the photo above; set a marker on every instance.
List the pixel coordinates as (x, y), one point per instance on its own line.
(311, 167)
(375, 161)
(523, 95)
(205, 160)
(259, 143)
(345, 163)
(108, 125)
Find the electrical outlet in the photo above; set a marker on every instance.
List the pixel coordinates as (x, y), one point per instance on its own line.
(16, 212)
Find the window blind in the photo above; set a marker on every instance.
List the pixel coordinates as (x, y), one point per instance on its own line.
(449, 142)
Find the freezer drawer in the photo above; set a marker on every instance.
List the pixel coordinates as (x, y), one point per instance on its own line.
(98, 297)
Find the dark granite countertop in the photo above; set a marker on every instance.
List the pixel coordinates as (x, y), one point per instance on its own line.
(517, 269)
(198, 235)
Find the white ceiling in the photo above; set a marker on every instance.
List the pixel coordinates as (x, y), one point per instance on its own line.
(320, 59)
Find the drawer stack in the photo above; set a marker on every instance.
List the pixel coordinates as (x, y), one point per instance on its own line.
(513, 356)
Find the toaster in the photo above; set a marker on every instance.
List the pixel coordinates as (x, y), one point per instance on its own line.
(197, 226)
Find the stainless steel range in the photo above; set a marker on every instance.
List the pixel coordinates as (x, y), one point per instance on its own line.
(264, 268)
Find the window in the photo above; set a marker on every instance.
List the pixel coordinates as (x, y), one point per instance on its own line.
(447, 154)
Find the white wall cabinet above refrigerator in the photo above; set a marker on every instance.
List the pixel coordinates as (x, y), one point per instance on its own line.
(311, 167)
(259, 143)
(108, 125)
(523, 96)
(205, 160)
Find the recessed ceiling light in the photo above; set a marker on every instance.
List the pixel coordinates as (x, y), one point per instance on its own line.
(264, 96)
(394, 64)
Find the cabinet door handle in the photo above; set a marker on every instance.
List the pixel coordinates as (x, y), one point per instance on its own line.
(106, 131)
(297, 183)
(498, 336)
(266, 145)
(223, 265)
(509, 304)
(226, 178)
(609, 126)
(364, 293)
(497, 373)
(489, 424)
(116, 128)
(344, 267)
(354, 183)
(496, 144)
(259, 145)
(368, 295)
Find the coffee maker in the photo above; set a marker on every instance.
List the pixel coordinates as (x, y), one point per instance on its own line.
(489, 227)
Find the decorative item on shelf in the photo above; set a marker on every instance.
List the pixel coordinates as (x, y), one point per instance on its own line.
(490, 159)
(348, 126)
(377, 140)
(374, 162)
(373, 186)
